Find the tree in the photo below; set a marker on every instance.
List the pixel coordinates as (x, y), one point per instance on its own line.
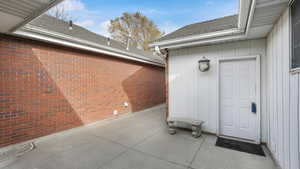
(59, 12)
(135, 29)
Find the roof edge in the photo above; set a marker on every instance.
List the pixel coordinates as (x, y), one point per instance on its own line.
(197, 37)
(37, 33)
(246, 12)
(35, 15)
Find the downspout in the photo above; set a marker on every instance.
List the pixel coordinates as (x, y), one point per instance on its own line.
(167, 83)
(164, 54)
(250, 19)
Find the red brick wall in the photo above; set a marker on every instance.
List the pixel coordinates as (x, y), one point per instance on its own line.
(47, 88)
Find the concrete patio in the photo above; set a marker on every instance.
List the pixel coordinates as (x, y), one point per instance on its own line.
(135, 141)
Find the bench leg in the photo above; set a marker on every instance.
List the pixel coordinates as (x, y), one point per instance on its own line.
(171, 129)
(196, 131)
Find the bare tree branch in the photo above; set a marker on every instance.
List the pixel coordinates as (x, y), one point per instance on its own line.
(136, 27)
(60, 13)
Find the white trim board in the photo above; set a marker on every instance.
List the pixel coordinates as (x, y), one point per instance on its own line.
(258, 92)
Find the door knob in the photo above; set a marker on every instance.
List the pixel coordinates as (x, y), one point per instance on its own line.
(253, 108)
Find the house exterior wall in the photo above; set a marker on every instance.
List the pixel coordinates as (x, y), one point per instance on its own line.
(194, 94)
(47, 88)
(283, 97)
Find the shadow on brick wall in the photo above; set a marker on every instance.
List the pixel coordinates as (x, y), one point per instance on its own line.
(48, 88)
(31, 104)
(145, 88)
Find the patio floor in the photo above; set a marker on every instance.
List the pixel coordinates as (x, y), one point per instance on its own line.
(137, 141)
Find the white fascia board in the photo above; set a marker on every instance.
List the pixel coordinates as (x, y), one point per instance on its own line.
(56, 38)
(208, 41)
(246, 7)
(197, 37)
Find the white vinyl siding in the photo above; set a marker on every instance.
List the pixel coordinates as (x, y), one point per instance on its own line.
(194, 94)
(283, 97)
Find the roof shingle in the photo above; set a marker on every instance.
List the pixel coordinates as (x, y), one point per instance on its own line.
(215, 25)
(52, 24)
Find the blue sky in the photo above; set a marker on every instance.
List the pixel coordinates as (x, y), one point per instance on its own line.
(169, 15)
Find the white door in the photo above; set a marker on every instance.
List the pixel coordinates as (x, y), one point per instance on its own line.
(237, 94)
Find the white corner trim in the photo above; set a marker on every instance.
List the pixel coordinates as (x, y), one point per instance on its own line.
(61, 39)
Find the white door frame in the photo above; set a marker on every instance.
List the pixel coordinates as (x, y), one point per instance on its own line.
(258, 92)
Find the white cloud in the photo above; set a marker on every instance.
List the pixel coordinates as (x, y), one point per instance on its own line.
(103, 28)
(72, 5)
(86, 23)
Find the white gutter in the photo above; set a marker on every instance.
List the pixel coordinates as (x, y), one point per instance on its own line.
(207, 41)
(61, 39)
(197, 37)
(215, 37)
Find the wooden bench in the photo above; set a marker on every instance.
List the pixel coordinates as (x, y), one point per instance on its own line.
(194, 125)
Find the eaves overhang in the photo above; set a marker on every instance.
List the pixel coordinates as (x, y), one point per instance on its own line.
(16, 13)
(246, 12)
